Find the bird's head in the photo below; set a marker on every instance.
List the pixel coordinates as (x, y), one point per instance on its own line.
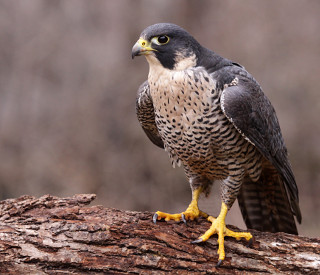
(167, 44)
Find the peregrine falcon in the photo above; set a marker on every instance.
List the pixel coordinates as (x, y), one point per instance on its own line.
(212, 117)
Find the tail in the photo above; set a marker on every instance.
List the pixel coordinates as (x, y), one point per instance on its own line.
(265, 205)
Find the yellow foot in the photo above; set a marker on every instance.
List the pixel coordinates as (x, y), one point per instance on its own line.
(191, 213)
(184, 216)
(219, 227)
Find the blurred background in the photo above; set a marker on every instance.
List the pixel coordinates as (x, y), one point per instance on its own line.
(68, 88)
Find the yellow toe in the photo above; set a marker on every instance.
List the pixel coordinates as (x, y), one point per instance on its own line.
(218, 226)
(167, 217)
(191, 213)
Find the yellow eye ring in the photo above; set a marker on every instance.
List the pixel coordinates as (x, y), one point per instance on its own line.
(160, 40)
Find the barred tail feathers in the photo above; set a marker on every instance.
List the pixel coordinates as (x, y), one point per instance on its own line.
(265, 204)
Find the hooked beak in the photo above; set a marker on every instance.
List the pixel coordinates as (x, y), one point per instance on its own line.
(142, 47)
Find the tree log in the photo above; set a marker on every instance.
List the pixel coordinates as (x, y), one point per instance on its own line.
(51, 235)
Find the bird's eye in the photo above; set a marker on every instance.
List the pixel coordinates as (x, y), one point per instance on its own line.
(163, 39)
(160, 40)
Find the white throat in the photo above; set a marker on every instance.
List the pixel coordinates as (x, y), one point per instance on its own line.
(156, 70)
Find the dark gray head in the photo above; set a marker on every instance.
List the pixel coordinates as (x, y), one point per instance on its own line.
(168, 43)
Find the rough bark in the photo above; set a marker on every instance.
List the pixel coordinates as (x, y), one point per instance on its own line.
(51, 235)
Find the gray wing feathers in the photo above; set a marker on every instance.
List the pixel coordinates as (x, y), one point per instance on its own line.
(145, 114)
(252, 114)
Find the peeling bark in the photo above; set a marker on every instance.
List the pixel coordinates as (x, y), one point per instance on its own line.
(51, 235)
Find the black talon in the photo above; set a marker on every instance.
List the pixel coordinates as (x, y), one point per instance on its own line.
(155, 217)
(197, 241)
(219, 263)
(183, 218)
(250, 242)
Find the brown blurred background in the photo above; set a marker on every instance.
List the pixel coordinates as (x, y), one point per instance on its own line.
(68, 87)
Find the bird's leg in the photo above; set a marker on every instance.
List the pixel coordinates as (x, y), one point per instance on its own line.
(191, 212)
(218, 226)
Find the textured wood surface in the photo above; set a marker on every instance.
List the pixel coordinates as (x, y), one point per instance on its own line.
(51, 235)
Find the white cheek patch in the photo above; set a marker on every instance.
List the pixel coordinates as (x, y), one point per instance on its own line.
(182, 62)
(157, 71)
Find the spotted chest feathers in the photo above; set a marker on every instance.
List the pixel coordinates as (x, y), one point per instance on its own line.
(183, 101)
(193, 127)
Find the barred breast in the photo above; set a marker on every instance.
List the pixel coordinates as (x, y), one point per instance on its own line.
(194, 128)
